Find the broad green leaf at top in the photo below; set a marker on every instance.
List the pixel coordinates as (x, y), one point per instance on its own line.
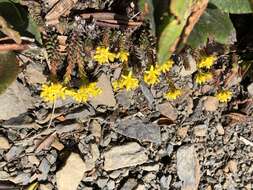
(17, 16)
(172, 31)
(213, 23)
(234, 6)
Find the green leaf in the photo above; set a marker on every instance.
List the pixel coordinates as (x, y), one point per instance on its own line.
(8, 69)
(34, 29)
(147, 8)
(13, 15)
(171, 33)
(167, 39)
(233, 6)
(212, 23)
(17, 16)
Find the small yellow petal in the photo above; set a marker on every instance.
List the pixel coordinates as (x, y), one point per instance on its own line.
(52, 92)
(207, 62)
(173, 94)
(151, 76)
(103, 55)
(203, 77)
(165, 67)
(224, 95)
(122, 56)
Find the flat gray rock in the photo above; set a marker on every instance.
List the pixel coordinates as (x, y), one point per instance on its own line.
(131, 154)
(69, 177)
(34, 74)
(14, 152)
(107, 96)
(188, 168)
(135, 128)
(15, 101)
(168, 111)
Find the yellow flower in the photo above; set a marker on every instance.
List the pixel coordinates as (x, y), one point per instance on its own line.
(52, 92)
(165, 67)
(122, 56)
(80, 95)
(70, 92)
(84, 92)
(93, 90)
(224, 95)
(103, 55)
(207, 62)
(116, 85)
(151, 76)
(173, 94)
(130, 82)
(201, 77)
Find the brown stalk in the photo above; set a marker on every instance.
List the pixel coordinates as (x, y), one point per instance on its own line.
(12, 47)
(117, 24)
(104, 16)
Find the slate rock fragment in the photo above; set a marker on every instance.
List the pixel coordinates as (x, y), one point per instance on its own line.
(15, 101)
(107, 96)
(168, 111)
(135, 128)
(14, 153)
(188, 168)
(131, 154)
(4, 143)
(69, 177)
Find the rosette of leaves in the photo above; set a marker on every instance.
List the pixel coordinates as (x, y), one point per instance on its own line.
(191, 22)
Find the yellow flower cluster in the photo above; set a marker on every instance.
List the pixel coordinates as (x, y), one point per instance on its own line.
(151, 76)
(203, 77)
(165, 67)
(224, 96)
(173, 94)
(103, 55)
(127, 81)
(207, 62)
(122, 56)
(85, 92)
(52, 92)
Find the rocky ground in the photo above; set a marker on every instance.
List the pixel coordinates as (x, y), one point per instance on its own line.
(127, 140)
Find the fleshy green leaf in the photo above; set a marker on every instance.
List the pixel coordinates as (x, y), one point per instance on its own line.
(34, 29)
(234, 6)
(171, 33)
(17, 16)
(12, 14)
(212, 23)
(8, 69)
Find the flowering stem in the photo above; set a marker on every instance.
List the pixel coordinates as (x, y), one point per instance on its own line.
(52, 115)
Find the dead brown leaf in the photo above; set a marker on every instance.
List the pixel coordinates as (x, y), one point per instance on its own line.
(46, 143)
(62, 7)
(238, 118)
(197, 10)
